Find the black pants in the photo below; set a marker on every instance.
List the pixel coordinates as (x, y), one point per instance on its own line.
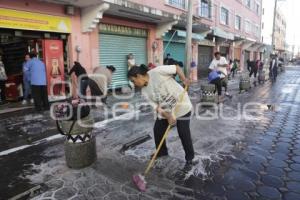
(224, 83)
(273, 73)
(40, 97)
(95, 91)
(83, 84)
(2, 88)
(253, 71)
(218, 85)
(233, 71)
(183, 128)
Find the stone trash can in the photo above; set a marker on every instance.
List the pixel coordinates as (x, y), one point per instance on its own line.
(80, 144)
(245, 83)
(208, 93)
(261, 77)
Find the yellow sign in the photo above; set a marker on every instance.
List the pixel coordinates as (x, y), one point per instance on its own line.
(33, 21)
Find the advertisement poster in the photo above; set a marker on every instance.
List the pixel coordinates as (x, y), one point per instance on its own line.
(53, 57)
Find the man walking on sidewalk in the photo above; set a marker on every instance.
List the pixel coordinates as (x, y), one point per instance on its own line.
(38, 81)
(26, 81)
(273, 67)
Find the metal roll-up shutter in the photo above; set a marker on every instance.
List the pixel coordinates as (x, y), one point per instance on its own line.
(205, 56)
(176, 49)
(246, 57)
(114, 50)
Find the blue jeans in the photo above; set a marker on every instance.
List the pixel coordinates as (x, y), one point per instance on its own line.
(83, 84)
(27, 89)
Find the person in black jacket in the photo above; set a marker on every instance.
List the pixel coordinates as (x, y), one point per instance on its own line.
(273, 67)
(83, 79)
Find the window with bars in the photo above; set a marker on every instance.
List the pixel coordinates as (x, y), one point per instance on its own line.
(238, 22)
(224, 17)
(247, 27)
(248, 3)
(178, 3)
(257, 31)
(257, 8)
(205, 8)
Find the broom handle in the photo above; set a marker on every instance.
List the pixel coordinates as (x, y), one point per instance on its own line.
(165, 135)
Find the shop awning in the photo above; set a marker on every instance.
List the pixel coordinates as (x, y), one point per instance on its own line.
(220, 33)
(195, 36)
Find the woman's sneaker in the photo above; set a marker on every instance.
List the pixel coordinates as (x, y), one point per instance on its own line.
(24, 102)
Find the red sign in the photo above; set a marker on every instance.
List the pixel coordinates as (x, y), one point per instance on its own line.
(54, 60)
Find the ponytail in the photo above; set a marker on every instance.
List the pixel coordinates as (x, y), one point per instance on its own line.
(137, 70)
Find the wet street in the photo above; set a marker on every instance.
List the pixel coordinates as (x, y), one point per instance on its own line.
(248, 148)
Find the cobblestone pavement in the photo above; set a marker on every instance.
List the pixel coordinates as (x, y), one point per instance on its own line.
(253, 158)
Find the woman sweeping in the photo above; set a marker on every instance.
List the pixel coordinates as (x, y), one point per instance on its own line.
(162, 91)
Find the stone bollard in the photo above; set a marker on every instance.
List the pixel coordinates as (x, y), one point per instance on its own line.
(261, 77)
(80, 145)
(208, 93)
(245, 83)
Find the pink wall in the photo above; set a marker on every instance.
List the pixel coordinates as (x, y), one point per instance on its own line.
(86, 41)
(161, 5)
(236, 8)
(75, 38)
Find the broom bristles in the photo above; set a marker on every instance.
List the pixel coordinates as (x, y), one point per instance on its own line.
(140, 182)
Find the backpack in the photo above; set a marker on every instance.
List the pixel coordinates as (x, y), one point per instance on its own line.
(213, 75)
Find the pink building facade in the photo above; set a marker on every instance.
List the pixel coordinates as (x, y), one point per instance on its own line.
(105, 33)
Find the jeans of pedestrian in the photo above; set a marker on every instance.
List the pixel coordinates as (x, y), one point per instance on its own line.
(273, 73)
(233, 71)
(253, 71)
(83, 84)
(218, 85)
(40, 97)
(183, 128)
(224, 83)
(2, 88)
(27, 89)
(96, 92)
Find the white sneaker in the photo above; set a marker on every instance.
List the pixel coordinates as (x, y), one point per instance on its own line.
(31, 101)
(24, 102)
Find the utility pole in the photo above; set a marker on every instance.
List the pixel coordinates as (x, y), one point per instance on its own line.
(188, 43)
(274, 23)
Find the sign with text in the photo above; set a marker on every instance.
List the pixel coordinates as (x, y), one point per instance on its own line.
(122, 30)
(33, 21)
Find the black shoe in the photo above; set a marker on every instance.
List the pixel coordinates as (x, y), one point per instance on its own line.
(159, 155)
(191, 162)
(189, 165)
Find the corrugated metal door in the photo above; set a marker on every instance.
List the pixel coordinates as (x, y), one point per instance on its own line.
(246, 57)
(114, 50)
(205, 56)
(176, 49)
